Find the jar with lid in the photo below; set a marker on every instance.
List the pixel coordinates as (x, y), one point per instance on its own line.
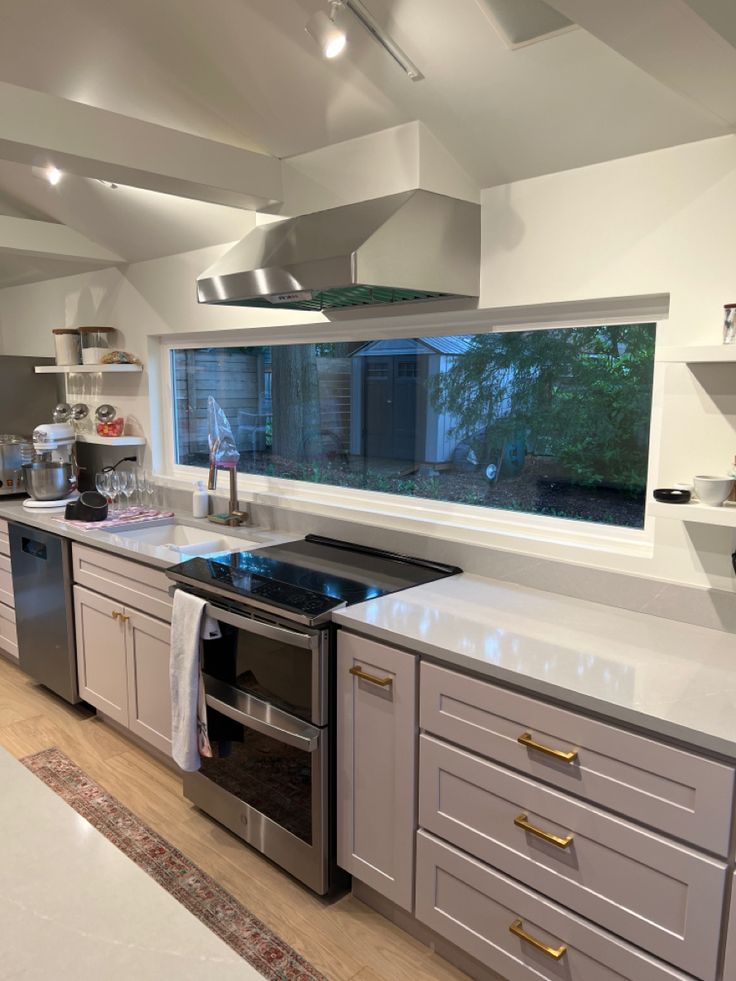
(95, 343)
(67, 345)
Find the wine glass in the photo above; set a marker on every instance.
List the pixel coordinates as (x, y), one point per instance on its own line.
(114, 489)
(102, 483)
(126, 481)
(141, 477)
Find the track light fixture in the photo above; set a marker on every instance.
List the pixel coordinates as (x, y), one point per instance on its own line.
(330, 34)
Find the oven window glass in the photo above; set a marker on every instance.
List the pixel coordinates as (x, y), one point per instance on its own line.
(270, 776)
(269, 669)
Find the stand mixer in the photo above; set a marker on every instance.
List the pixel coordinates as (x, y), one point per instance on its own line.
(51, 479)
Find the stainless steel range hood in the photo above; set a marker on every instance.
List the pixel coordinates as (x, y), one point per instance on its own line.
(416, 245)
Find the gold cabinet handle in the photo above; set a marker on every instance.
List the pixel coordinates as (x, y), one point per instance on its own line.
(517, 928)
(526, 739)
(360, 673)
(522, 821)
(119, 615)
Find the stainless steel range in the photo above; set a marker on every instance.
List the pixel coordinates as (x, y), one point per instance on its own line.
(269, 681)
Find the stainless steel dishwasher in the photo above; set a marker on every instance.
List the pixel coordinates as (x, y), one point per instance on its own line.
(44, 608)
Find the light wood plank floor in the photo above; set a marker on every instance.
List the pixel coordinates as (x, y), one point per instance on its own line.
(345, 939)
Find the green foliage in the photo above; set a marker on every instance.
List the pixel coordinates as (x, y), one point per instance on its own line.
(581, 395)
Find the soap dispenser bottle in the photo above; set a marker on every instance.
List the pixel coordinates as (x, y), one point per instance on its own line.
(200, 500)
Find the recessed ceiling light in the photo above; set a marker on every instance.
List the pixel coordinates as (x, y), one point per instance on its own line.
(53, 175)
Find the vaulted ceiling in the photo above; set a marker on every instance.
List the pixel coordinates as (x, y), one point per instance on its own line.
(245, 73)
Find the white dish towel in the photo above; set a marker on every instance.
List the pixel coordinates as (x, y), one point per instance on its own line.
(189, 737)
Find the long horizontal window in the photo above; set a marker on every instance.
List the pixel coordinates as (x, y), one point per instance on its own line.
(552, 422)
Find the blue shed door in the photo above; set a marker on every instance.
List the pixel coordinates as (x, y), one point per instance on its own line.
(390, 416)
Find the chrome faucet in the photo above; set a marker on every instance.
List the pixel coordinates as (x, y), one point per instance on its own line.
(234, 516)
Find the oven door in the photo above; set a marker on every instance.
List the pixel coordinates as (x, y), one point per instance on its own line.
(268, 784)
(283, 665)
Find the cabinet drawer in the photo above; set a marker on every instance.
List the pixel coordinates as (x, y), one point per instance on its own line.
(8, 632)
(668, 789)
(729, 968)
(4, 539)
(474, 906)
(123, 581)
(659, 895)
(6, 582)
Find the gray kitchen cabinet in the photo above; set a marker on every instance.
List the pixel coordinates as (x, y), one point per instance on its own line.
(654, 892)
(8, 632)
(376, 758)
(123, 665)
(149, 698)
(729, 968)
(101, 653)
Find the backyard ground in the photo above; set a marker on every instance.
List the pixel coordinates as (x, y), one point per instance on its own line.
(542, 487)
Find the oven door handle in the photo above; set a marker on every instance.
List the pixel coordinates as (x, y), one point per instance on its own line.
(261, 716)
(295, 638)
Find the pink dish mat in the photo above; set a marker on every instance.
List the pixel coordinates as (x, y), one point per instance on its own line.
(128, 516)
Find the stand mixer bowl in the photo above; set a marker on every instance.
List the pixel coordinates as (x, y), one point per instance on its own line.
(49, 480)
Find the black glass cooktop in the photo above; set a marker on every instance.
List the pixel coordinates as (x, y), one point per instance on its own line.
(310, 577)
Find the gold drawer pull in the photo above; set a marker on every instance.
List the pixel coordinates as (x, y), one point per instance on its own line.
(526, 739)
(518, 930)
(522, 821)
(360, 673)
(119, 615)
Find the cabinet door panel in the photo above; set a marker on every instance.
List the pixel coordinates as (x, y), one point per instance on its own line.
(101, 662)
(376, 753)
(149, 694)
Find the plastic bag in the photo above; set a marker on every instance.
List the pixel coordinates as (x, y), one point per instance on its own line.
(223, 452)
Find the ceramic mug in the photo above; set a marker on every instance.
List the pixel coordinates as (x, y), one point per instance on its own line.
(713, 490)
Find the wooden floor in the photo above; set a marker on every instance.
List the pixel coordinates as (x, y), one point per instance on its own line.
(345, 939)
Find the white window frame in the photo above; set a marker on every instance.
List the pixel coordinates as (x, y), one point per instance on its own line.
(532, 534)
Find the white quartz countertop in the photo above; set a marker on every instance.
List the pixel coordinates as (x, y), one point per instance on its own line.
(112, 540)
(672, 679)
(73, 907)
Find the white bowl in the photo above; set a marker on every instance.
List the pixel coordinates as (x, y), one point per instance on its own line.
(713, 490)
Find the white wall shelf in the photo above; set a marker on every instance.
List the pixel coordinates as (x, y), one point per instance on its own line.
(85, 369)
(706, 354)
(111, 440)
(696, 513)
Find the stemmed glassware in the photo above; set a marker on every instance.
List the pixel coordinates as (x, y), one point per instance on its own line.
(126, 485)
(102, 483)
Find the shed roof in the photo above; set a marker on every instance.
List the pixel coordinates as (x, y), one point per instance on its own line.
(392, 347)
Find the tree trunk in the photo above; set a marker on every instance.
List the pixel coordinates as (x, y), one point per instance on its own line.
(295, 393)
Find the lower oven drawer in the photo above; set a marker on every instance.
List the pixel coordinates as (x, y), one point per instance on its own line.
(659, 895)
(267, 781)
(475, 907)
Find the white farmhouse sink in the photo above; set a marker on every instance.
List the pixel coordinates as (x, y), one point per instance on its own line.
(182, 540)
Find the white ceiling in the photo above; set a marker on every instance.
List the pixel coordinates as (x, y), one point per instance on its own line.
(245, 72)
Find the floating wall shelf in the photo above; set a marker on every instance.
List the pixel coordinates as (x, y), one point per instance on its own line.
(86, 369)
(111, 440)
(710, 354)
(703, 514)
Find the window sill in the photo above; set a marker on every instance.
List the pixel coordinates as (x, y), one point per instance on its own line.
(537, 535)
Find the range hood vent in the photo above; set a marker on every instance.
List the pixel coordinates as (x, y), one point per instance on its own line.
(404, 248)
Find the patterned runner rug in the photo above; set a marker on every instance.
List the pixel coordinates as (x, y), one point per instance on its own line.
(185, 881)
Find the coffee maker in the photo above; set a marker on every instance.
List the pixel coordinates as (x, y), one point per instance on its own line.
(51, 479)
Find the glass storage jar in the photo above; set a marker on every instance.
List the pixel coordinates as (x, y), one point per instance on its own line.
(95, 343)
(67, 345)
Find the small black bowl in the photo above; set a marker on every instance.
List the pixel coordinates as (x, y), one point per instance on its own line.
(672, 495)
(90, 506)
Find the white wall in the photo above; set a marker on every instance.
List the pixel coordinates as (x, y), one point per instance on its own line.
(660, 222)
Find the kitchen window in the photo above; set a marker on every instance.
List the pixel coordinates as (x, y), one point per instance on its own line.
(547, 422)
